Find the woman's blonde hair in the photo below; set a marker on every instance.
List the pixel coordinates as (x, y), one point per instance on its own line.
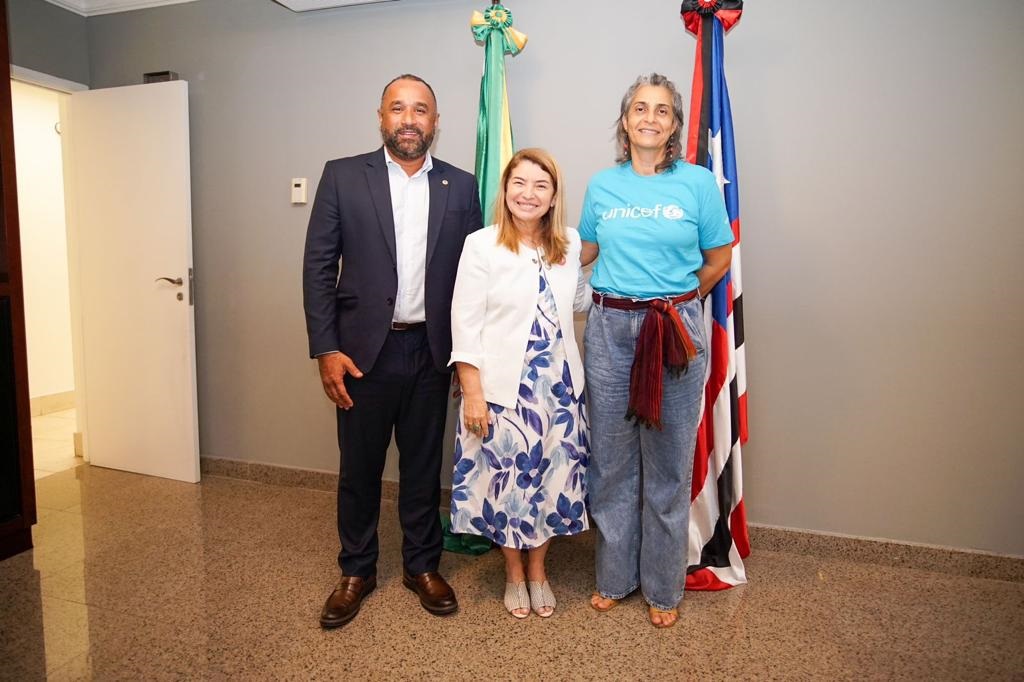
(553, 236)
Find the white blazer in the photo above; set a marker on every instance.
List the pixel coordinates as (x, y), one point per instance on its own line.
(494, 306)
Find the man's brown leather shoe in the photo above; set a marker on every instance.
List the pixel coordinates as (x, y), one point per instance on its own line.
(343, 604)
(435, 594)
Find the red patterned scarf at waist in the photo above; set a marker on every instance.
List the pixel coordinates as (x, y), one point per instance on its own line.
(663, 345)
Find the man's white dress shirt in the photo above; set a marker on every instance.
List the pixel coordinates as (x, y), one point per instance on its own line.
(410, 205)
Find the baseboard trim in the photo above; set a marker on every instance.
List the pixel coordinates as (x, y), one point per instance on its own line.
(272, 474)
(56, 402)
(275, 474)
(898, 554)
(948, 560)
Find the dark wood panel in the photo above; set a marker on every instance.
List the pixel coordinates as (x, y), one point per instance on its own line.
(14, 542)
(17, 484)
(10, 453)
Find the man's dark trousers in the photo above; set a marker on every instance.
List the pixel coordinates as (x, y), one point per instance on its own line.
(404, 390)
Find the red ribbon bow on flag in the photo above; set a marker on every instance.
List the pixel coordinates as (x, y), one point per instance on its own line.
(727, 11)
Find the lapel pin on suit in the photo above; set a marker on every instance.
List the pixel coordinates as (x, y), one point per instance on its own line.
(444, 182)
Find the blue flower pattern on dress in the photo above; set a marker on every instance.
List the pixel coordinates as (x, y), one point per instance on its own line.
(567, 518)
(524, 482)
(491, 524)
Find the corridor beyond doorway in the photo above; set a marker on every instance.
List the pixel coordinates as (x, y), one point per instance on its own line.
(53, 443)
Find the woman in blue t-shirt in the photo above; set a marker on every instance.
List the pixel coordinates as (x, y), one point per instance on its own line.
(660, 233)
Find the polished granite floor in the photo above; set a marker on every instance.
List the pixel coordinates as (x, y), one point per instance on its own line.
(141, 578)
(53, 443)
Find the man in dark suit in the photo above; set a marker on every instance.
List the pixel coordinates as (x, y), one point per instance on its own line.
(381, 333)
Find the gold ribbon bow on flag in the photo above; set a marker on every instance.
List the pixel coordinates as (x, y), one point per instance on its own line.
(498, 18)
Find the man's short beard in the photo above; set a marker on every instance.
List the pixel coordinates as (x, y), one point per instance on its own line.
(401, 149)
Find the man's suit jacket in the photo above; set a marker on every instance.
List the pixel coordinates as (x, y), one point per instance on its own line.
(352, 219)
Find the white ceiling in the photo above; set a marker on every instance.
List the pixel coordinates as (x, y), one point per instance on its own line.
(307, 5)
(88, 8)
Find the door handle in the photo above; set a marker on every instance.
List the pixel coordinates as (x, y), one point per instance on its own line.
(177, 281)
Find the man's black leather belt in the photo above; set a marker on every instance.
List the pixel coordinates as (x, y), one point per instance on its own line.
(406, 326)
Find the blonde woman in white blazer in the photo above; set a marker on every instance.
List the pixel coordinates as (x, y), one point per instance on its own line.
(522, 446)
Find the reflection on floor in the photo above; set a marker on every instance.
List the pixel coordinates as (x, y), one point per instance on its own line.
(140, 578)
(53, 444)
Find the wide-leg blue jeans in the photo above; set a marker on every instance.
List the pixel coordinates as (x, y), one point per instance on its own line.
(639, 479)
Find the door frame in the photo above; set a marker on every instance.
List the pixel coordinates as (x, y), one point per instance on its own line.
(45, 80)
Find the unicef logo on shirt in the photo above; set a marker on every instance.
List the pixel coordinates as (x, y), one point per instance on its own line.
(673, 212)
(668, 211)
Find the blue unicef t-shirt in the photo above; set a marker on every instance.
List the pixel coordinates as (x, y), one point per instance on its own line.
(651, 229)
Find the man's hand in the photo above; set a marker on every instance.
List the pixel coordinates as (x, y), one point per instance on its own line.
(333, 368)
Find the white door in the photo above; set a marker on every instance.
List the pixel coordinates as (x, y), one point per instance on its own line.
(130, 226)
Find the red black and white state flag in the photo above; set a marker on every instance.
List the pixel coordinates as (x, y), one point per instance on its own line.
(718, 524)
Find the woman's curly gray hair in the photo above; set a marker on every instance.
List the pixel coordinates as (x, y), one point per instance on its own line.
(674, 147)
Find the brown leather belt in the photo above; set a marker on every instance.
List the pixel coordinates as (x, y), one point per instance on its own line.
(406, 326)
(630, 304)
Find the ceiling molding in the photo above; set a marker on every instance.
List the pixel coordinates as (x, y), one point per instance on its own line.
(90, 8)
(309, 5)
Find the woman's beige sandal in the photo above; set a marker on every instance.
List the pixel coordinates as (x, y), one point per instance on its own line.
(542, 599)
(517, 599)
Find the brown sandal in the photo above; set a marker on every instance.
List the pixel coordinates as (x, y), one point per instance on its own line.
(612, 603)
(651, 610)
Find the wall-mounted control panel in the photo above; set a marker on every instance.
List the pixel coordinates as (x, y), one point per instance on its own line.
(298, 190)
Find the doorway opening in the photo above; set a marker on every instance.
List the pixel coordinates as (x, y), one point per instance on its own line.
(44, 250)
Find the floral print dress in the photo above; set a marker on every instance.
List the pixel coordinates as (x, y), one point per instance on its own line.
(525, 481)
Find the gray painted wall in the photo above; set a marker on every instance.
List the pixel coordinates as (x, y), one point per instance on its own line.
(879, 154)
(49, 39)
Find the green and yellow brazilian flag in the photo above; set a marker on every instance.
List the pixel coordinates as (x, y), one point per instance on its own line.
(493, 28)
